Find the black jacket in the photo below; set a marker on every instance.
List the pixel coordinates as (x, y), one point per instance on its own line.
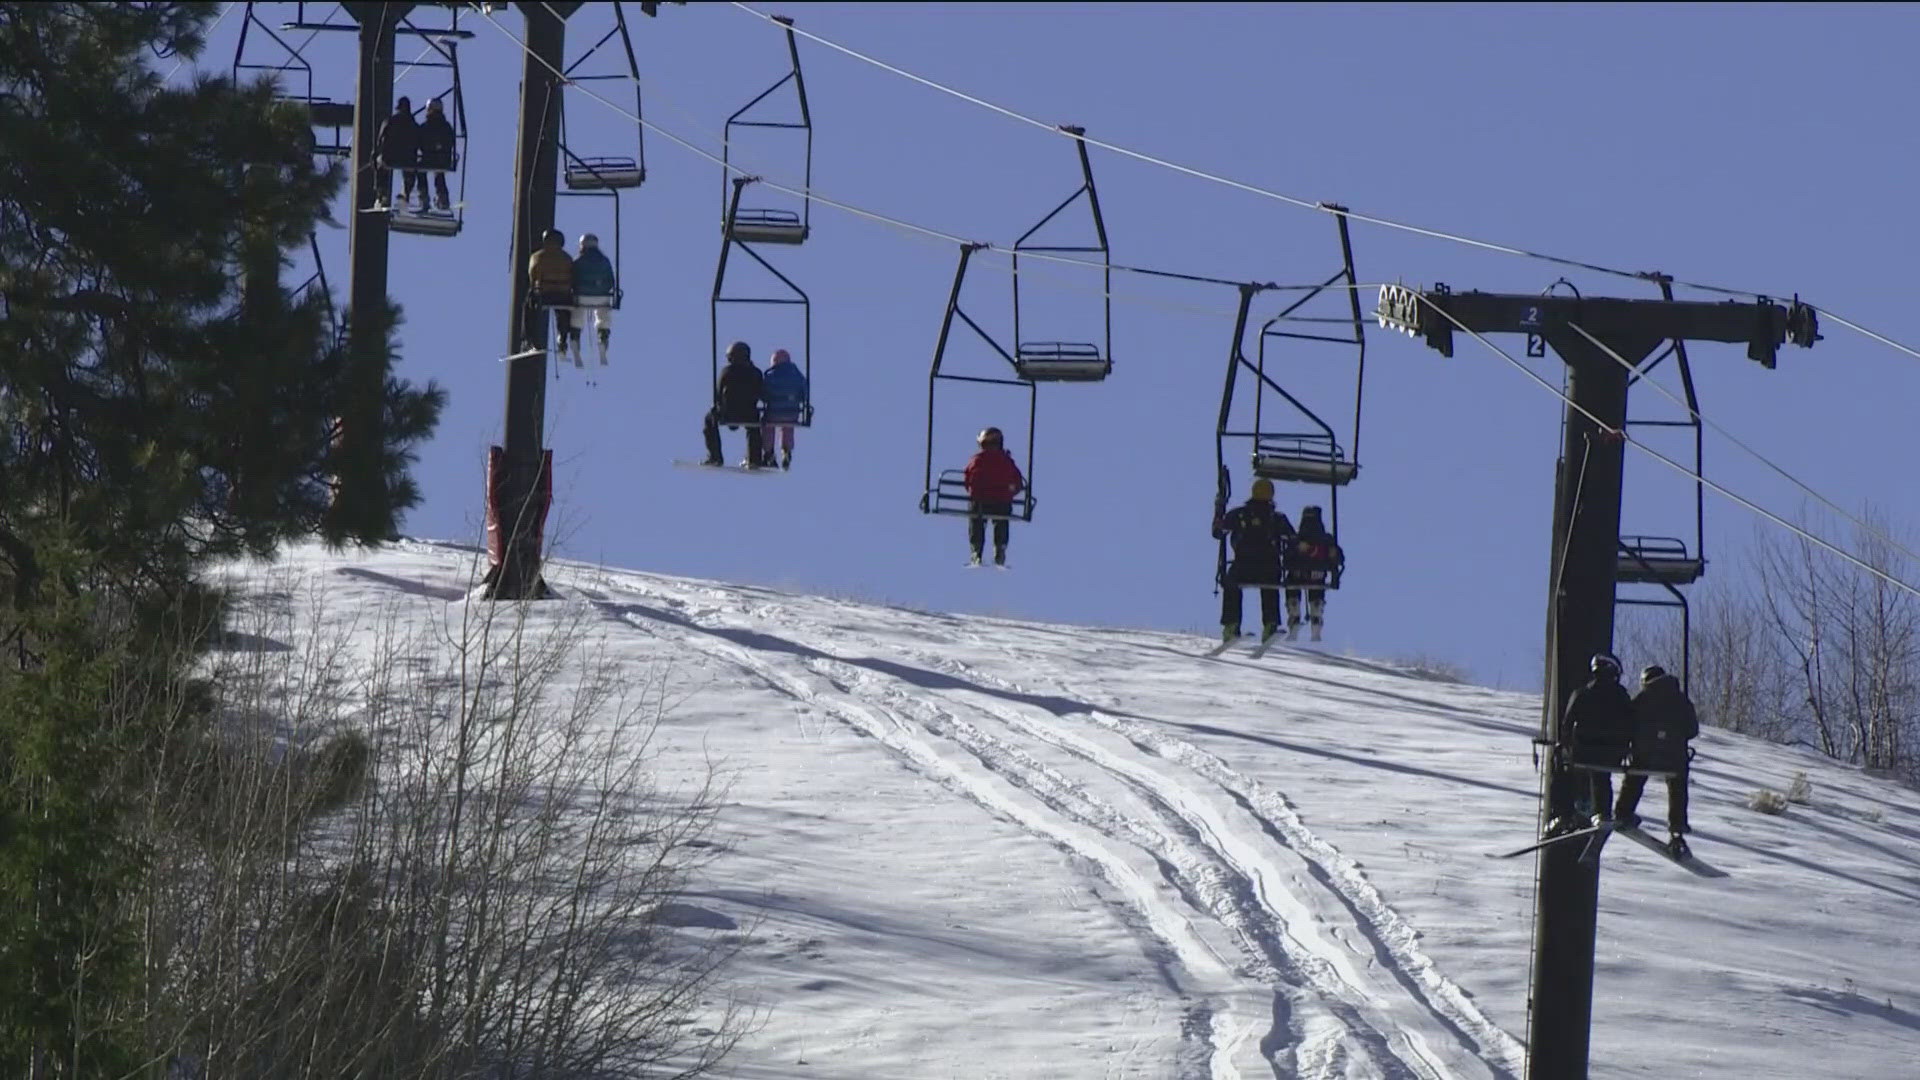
(737, 398)
(1663, 721)
(1313, 558)
(436, 142)
(1259, 535)
(399, 142)
(1599, 722)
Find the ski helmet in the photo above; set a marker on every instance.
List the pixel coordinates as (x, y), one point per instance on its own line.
(1650, 673)
(553, 236)
(739, 351)
(1263, 489)
(990, 437)
(781, 356)
(1604, 664)
(588, 240)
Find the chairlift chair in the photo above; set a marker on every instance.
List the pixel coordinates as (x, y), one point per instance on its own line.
(791, 296)
(1310, 457)
(1067, 361)
(605, 172)
(946, 493)
(322, 113)
(1667, 561)
(763, 225)
(439, 222)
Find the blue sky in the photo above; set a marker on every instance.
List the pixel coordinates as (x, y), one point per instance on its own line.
(1765, 147)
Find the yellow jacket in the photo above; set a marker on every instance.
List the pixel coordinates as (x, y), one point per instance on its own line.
(550, 270)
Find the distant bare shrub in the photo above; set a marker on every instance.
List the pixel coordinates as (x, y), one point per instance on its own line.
(429, 853)
(1767, 801)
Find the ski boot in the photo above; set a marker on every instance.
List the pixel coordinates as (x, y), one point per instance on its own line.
(1229, 634)
(974, 559)
(786, 458)
(1000, 556)
(1626, 821)
(1268, 631)
(604, 335)
(1313, 631)
(1293, 628)
(1677, 847)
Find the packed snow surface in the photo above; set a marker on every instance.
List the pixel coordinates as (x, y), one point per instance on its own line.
(984, 849)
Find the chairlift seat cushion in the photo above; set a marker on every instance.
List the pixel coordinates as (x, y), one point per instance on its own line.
(1312, 470)
(1659, 571)
(768, 226)
(426, 224)
(592, 174)
(330, 114)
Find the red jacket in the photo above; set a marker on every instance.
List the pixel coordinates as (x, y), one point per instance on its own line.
(993, 477)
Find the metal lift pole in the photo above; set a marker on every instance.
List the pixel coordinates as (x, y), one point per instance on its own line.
(1587, 521)
(1585, 560)
(367, 245)
(517, 501)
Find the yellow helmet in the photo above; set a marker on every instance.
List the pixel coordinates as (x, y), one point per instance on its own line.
(1263, 489)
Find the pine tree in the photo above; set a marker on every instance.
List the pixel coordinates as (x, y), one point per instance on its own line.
(165, 401)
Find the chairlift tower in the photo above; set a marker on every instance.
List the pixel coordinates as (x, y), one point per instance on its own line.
(1586, 558)
(520, 473)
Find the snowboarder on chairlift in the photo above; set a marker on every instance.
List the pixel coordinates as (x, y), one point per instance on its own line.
(784, 389)
(593, 289)
(1313, 561)
(736, 403)
(436, 154)
(550, 285)
(398, 147)
(1597, 731)
(1260, 535)
(993, 480)
(1663, 720)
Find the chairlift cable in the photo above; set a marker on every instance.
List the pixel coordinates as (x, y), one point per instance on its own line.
(1720, 489)
(1757, 455)
(1419, 230)
(810, 193)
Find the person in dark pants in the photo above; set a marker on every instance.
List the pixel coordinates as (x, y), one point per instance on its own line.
(436, 155)
(993, 479)
(1597, 730)
(398, 147)
(1314, 561)
(1664, 720)
(1259, 535)
(736, 403)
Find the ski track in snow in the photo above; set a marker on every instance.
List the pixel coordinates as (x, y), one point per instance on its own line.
(1298, 965)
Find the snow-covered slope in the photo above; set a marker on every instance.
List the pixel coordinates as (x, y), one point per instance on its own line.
(974, 848)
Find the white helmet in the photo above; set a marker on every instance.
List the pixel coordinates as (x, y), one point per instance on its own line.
(588, 240)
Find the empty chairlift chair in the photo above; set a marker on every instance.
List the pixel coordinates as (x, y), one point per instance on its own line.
(1067, 361)
(765, 225)
(605, 172)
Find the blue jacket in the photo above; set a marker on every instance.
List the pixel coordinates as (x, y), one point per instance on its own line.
(784, 388)
(592, 274)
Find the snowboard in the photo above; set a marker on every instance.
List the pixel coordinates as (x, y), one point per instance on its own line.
(1689, 862)
(736, 469)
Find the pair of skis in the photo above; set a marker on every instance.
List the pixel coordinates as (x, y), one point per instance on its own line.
(1259, 649)
(1596, 838)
